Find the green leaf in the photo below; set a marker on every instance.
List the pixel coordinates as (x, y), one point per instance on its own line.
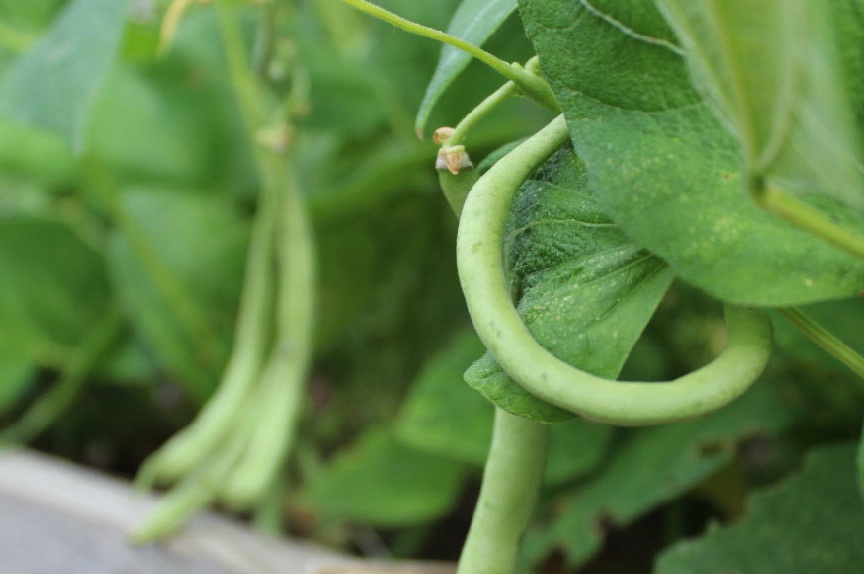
(29, 17)
(177, 268)
(54, 288)
(442, 415)
(772, 75)
(16, 373)
(172, 122)
(37, 155)
(663, 167)
(585, 290)
(654, 466)
(381, 482)
(54, 85)
(347, 97)
(860, 464)
(474, 21)
(575, 449)
(815, 517)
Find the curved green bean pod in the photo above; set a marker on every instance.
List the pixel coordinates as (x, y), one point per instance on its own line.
(499, 326)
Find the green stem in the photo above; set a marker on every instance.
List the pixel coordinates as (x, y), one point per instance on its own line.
(499, 326)
(460, 132)
(388, 172)
(244, 83)
(170, 288)
(54, 402)
(456, 186)
(512, 478)
(268, 516)
(265, 38)
(825, 339)
(808, 218)
(530, 83)
(511, 483)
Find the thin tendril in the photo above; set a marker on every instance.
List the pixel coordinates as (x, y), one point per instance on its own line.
(533, 85)
(826, 340)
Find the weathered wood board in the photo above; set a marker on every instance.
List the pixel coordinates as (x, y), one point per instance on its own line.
(56, 518)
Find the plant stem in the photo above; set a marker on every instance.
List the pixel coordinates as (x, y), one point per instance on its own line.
(456, 186)
(808, 218)
(181, 302)
(512, 478)
(265, 38)
(482, 109)
(268, 516)
(532, 84)
(511, 484)
(825, 339)
(54, 402)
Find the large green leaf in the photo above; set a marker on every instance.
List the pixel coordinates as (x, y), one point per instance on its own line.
(575, 449)
(21, 23)
(445, 417)
(177, 268)
(442, 415)
(816, 519)
(663, 167)
(381, 482)
(585, 290)
(28, 17)
(860, 466)
(16, 372)
(474, 21)
(54, 85)
(39, 156)
(54, 288)
(175, 120)
(773, 76)
(654, 466)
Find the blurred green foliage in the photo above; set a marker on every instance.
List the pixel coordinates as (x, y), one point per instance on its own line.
(126, 187)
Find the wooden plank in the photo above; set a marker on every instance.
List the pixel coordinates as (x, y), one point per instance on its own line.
(56, 518)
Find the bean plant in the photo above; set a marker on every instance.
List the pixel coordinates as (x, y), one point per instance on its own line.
(698, 129)
(661, 254)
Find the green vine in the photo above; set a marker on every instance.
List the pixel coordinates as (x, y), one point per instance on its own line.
(528, 81)
(72, 378)
(826, 340)
(511, 484)
(806, 217)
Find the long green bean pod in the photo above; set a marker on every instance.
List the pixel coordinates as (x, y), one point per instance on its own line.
(499, 326)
